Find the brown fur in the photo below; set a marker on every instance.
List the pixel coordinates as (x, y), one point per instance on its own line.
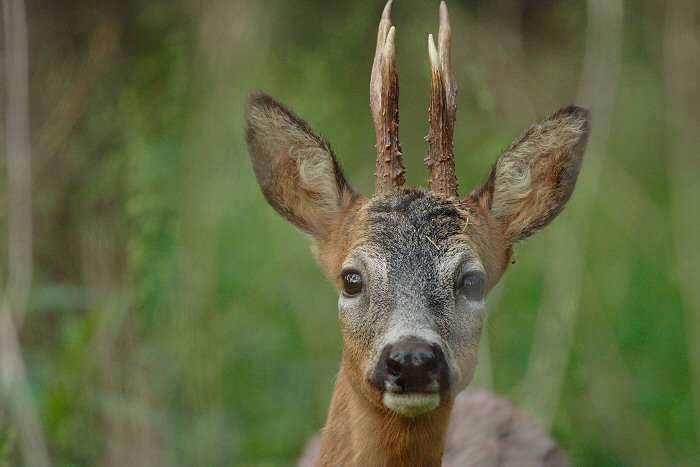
(349, 230)
(359, 433)
(484, 233)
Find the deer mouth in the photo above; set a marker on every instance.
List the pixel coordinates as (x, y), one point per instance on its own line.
(411, 404)
(414, 403)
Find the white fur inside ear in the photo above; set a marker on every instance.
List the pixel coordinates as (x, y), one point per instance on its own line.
(534, 178)
(413, 404)
(316, 172)
(514, 184)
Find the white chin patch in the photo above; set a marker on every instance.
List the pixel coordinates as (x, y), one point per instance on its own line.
(411, 405)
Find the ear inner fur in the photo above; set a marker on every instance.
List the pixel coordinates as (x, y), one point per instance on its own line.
(534, 178)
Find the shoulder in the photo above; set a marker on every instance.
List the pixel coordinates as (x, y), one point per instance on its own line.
(486, 429)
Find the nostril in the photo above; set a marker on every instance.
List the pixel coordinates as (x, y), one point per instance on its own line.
(394, 366)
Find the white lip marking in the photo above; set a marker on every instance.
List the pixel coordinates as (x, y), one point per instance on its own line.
(411, 405)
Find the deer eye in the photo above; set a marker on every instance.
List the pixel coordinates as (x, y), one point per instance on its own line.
(472, 285)
(352, 282)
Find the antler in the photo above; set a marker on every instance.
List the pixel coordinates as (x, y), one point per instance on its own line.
(384, 101)
(443, 108)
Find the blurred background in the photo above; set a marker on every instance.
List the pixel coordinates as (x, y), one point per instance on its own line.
(156, 311)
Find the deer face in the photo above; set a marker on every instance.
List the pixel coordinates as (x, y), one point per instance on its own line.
(412, 287)
(412, 267)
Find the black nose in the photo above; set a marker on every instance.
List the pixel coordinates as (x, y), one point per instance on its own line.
(411, 365)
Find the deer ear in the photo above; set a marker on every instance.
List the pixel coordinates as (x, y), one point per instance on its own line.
(296, 169)
(533, 179)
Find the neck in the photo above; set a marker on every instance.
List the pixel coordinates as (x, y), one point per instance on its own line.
(359, 433)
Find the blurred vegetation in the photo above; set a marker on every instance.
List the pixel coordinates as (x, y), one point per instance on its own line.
(175, 319)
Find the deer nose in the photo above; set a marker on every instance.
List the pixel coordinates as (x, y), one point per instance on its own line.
(412, 365)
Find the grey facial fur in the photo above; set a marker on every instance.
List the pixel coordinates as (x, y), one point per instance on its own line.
(411, 267)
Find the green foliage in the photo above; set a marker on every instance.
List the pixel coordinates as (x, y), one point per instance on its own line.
(176, 319)
(8, 439)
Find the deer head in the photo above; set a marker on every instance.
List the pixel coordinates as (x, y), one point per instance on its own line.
(412, 267)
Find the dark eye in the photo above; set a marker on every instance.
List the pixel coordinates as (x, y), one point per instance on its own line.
(352, 283)
(472, 285)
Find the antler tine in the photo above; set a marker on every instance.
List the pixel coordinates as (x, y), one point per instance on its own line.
(448, 76)
(384, 101)
(375, 85)
(442, 113)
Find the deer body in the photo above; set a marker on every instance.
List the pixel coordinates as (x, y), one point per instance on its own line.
(412, 268)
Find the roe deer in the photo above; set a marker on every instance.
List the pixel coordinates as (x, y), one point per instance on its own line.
(412, 268)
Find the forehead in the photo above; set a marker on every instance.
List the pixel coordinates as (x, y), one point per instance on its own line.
(415, 228)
